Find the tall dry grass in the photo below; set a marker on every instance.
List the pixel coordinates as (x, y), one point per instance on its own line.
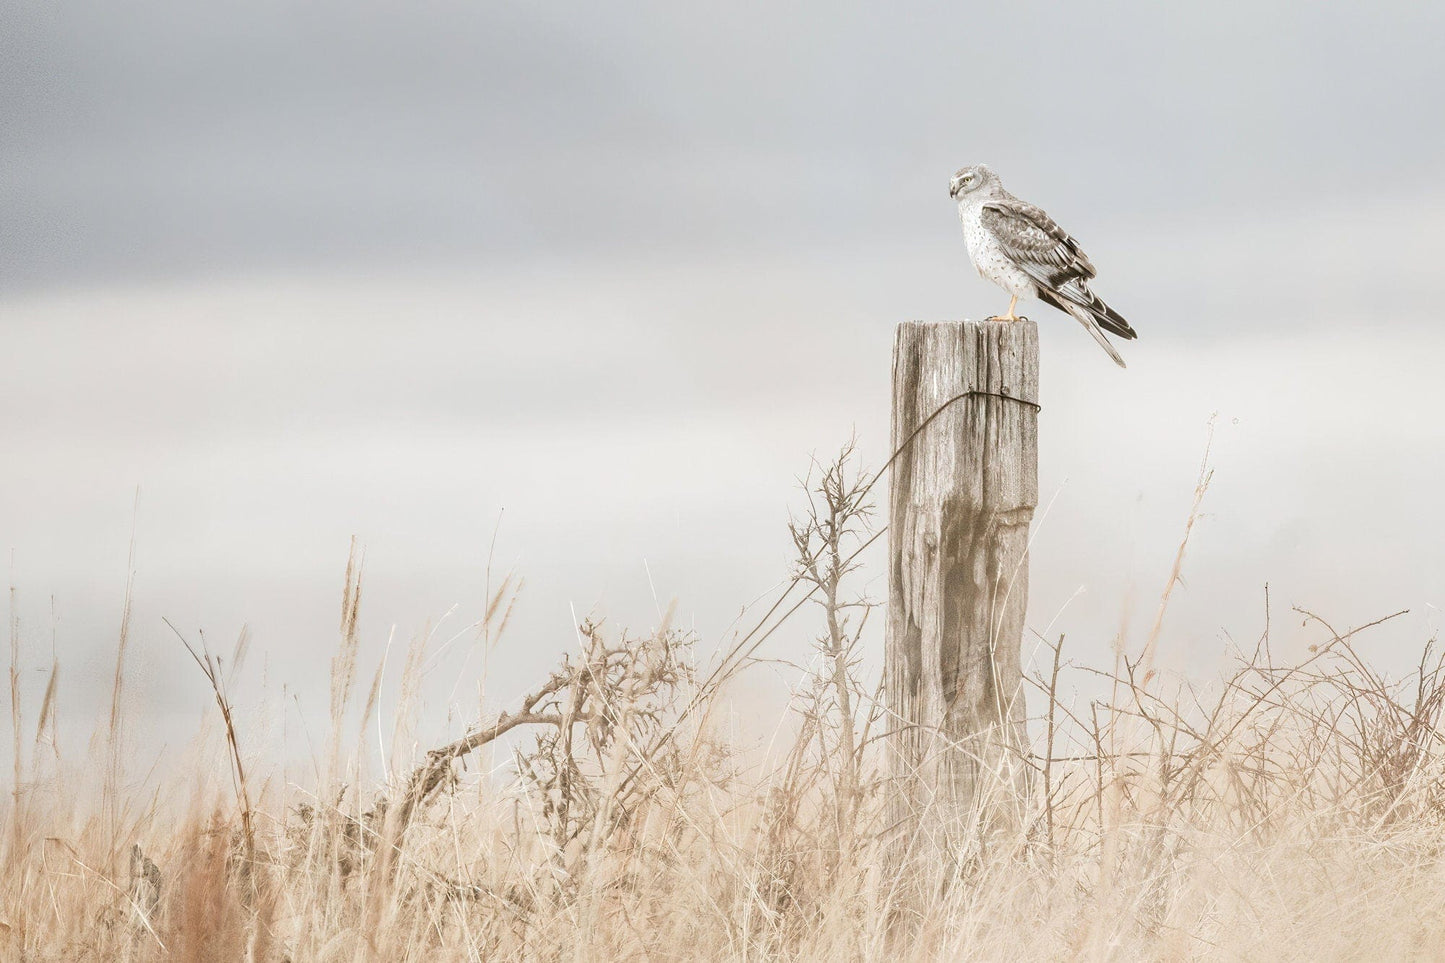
(1287, 811)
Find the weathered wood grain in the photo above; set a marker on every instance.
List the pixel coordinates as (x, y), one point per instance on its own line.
(963, 494)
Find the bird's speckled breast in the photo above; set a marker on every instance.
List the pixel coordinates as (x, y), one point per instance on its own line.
(992, 264)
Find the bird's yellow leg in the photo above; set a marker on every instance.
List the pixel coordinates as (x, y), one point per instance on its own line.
(1013, 302)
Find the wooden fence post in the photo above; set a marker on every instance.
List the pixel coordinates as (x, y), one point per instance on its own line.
(964, 489)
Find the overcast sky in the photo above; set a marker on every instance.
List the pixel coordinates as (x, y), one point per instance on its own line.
(598, 279)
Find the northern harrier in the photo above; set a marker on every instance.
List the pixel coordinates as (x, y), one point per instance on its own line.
(1020, 248)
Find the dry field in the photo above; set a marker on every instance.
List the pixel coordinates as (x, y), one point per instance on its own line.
(1285, 811)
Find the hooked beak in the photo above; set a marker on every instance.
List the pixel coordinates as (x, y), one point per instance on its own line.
(954, 186)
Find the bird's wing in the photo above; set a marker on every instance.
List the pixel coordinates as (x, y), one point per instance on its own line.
(1051, 257)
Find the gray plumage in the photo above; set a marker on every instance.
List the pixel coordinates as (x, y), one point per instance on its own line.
(1021, 249)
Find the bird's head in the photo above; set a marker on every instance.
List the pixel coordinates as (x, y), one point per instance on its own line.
(970, 179)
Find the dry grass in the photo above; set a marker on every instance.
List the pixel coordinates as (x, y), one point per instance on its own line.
(1285, 812)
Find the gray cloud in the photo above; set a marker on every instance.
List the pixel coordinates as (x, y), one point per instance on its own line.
(162, 139)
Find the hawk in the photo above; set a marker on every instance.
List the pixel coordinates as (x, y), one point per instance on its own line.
(1019, 247)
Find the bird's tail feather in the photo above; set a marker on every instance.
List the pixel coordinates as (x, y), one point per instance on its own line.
(1111, 320)
(1089, 303)
(1091, 324)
